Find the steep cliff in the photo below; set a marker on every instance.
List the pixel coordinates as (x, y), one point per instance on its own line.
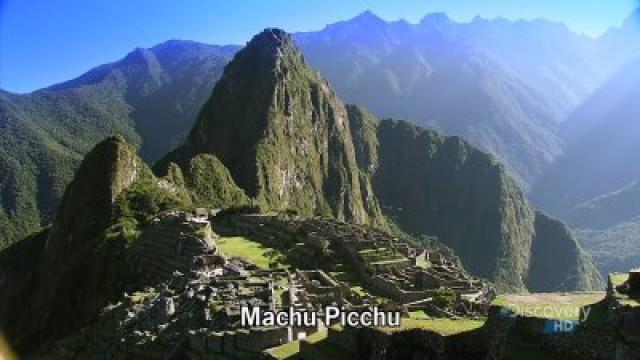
(282, 132)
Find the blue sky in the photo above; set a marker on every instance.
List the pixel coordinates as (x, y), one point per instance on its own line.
(47, 41)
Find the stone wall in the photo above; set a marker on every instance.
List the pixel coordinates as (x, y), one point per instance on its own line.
(240, 344)
(170, 244)
(391, 289)
(373, 344)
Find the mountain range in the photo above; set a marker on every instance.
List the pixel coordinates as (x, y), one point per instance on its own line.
(151, 97)
(506, 86)
(275, 136)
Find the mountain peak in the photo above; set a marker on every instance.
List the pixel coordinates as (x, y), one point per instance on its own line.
(436, 22)
(438, 18)
(271, 50)
(273, 39)
(274, 122)
(367, 17)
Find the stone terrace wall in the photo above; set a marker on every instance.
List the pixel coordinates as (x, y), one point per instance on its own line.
(240, 344)
(391, 289)
(169, 244)
(370, 343)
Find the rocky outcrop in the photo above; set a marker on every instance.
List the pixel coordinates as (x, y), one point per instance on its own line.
(443, 186)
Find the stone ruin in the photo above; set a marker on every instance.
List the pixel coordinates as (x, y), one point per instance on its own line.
(172, 242)
(392, 267)
(194, 308)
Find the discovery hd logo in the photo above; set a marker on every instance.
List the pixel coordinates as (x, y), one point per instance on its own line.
(555, 318)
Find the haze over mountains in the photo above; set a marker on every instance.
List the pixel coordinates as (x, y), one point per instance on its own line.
(508, 87)
(504, 86)
(594, 184)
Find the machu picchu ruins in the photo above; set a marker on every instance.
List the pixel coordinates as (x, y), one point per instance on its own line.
(199, 291)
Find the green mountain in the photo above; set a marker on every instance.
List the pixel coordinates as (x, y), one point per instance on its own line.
(291, 144)
(283, 134)
(54, 281)
(151, 97)
(503, 85)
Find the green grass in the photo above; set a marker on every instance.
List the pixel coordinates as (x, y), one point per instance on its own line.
(387, 262)
(359, 290)
(255, 252)
(444, 327)
(285, 351)
(291, 348)
(423, 264)
(618, 278)
(316, 337)
(418, 315)
(327, 349)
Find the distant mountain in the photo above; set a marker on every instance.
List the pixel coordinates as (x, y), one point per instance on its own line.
(613, 249)
(151, 97)
(291, 144)
(594, 184)
(619, 45)
(609, 228)
(602, 135)
(503, 85)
